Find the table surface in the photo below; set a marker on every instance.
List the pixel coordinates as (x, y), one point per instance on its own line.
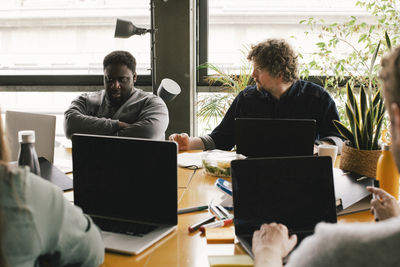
(182, 248)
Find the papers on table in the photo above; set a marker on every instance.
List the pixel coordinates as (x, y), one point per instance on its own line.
(64, 165)
(190, 160)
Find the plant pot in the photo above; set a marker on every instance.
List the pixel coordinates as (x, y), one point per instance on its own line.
(362, 162)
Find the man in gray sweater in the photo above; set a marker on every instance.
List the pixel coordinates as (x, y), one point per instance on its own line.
(119, 109)
(348, 244)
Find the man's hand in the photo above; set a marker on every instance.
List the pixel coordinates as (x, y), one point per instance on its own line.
(122, 125)
(272, 243)
(182, 140)
(383, 205)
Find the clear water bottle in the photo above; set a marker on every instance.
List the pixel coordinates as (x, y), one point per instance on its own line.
(27, 154)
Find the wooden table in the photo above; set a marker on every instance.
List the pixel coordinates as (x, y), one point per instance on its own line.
(182, 248)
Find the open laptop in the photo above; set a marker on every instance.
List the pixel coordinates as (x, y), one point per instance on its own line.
(43, 125)
(295, 191)
(128, 186)
(258, 137)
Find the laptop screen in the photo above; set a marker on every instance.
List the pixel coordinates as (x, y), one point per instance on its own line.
(45, 129)
(257, 137)
(295, 191)
(125, 178)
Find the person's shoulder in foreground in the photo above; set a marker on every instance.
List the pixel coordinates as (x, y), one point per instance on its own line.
(350, 244)
(42, 227)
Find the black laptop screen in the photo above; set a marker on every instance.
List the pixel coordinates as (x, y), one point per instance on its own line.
(257, 137)
(295, 191)
(125, 178)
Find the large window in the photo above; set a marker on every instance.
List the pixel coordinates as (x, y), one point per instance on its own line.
(59, 37)
(235, 24)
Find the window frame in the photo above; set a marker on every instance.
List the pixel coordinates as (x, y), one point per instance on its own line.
(62, 80)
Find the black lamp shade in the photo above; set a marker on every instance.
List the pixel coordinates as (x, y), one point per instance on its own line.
(124, 29)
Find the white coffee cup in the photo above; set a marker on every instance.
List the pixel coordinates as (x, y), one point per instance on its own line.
(328, 150)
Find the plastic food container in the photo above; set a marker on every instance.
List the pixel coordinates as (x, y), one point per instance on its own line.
(218, 162)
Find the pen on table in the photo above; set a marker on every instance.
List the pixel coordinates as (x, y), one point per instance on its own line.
(192, 209)
(196, 226)
(361, 178)
(217, 212)
(224, 211)
(216, 224)
(372, 209)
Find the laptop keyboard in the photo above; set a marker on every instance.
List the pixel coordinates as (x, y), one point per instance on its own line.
(121, 227)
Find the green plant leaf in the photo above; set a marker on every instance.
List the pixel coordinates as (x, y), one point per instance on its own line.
(353, 103)
(381, 109)
(344, 131)
(352, 120)
(388, 43)
(374, 57)
(368, 131)
(377, 98)
(362, 37)
(363, 104)
(377, 133)
(214, 107)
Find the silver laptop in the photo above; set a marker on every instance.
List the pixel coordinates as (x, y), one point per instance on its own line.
(128, 186)
(43, 125)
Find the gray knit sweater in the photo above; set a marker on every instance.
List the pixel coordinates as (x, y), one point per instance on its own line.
(350, 244)
(92, 113)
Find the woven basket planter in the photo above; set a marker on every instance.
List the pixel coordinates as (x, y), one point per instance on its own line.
(362, 162)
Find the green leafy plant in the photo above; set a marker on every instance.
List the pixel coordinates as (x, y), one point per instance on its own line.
(358, 38)
(357, 69)
(366, 116)
(214, 106)
(365, 120)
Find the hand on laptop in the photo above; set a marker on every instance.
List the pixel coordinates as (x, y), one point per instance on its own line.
(272, 243)
(383, 205)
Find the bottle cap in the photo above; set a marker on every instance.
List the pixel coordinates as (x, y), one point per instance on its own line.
(385, 147)
(27, 136)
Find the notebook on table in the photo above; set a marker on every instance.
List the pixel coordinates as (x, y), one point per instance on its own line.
(128, 186)
(43, 125)
(258, 137)
(295, 191)
(51, 173)
(351, 190)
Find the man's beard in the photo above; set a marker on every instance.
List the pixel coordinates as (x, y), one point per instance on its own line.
(261, 89)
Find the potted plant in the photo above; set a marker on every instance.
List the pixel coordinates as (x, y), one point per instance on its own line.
(362, 116)
(214, 106)
(361, 152)
(365, 117)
